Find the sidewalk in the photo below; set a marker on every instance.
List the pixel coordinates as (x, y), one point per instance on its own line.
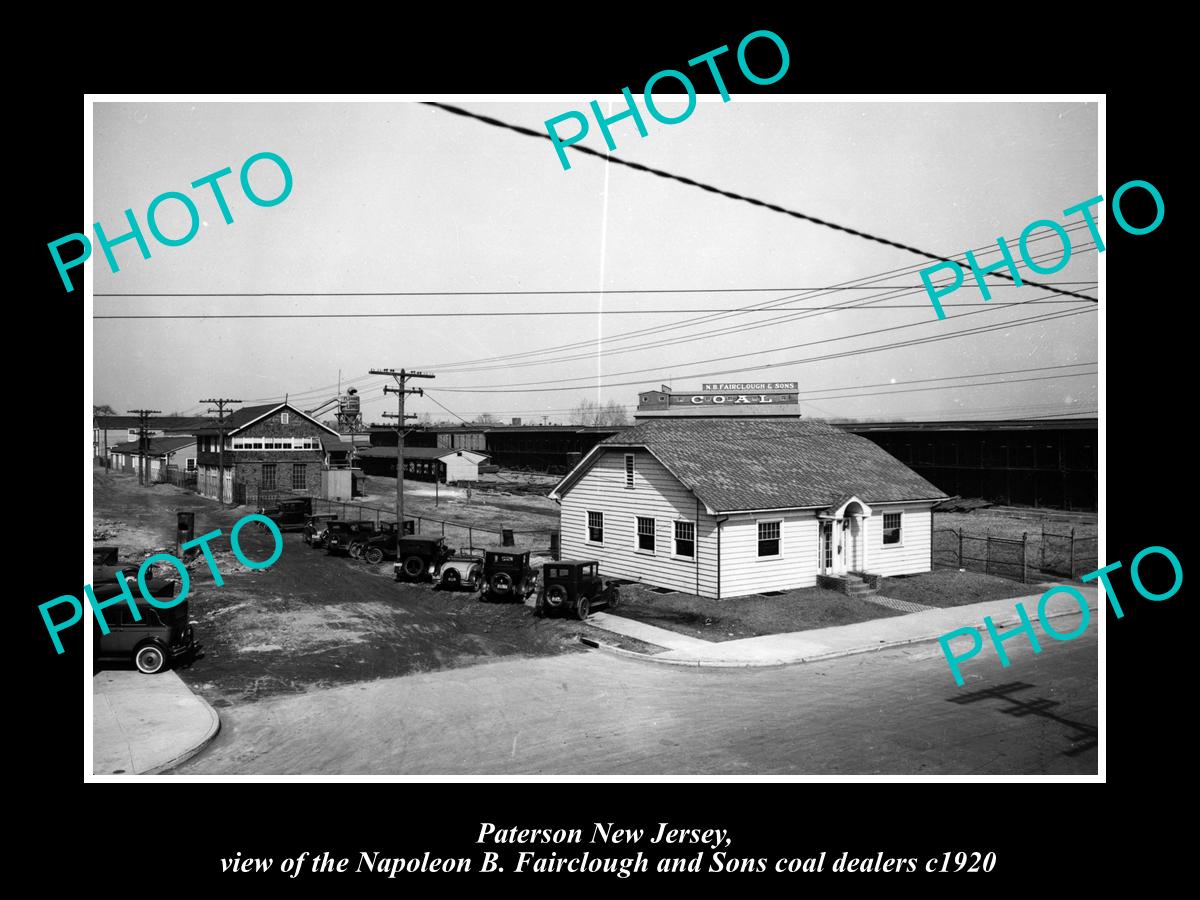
(842, 640)
(146, 724)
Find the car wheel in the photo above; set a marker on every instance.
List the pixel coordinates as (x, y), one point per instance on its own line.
(581, 608)
(414, 566)
(356, 551)
(150, 659)
(373, 555)
(451, 580)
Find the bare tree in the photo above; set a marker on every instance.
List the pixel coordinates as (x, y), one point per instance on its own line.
(584, 412)
(591, 412)
(614, 414)
(485, 419)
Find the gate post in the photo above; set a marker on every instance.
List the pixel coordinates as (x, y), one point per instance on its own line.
(960, 556)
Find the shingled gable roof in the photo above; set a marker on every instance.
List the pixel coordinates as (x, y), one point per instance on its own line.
(158, 446)
(746, 464)
(248, 415)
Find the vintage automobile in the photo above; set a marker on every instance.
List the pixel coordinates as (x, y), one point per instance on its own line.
(342, 534)
(462, 571)
(160, 638)
(289, 515)
(380, 545)
(574, 586)
(420, 557)
(508, 575)
(316, 530)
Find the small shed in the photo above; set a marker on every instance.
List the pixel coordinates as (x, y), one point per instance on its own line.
(442, 464)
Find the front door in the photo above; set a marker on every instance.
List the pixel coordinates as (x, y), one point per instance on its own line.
(830, 550)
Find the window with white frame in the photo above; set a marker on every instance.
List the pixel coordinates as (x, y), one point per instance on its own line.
(190, 464)
(283, 418)
(891, 528)
(268, 476)
(645, 533)
(685, 539)
(769, 538)
(596, 527)
(628, 470)
(299, 476)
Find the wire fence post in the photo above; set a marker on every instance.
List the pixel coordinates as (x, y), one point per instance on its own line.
(987, 552)
(377, 518)
(470, 539)
(1071, 564)
(443, 527)
(418, 524)
(1024, 544)
(961, 565)
(1043, 566)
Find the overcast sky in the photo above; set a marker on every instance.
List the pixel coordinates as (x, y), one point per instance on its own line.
(403, 197)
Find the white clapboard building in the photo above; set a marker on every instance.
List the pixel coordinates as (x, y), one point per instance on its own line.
(731, 507)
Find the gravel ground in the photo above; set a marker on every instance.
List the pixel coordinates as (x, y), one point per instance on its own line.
(312, 620)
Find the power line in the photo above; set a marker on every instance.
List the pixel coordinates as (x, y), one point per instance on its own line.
(687, 323)
(518, 293)
(801, 361)
(820, 395)
(721, 332)
(627, 335)
(457, 110)
(549, 312)
(760, 351)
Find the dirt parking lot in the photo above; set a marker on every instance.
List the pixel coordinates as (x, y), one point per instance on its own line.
(313, 620)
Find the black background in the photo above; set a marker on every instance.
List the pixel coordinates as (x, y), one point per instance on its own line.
(1041, 831)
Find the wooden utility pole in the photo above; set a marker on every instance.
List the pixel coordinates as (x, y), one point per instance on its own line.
(402, 378)
(220, 411)
(143, 438)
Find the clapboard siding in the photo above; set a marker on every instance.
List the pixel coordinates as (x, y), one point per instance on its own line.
(912, 555)
(462, 468)
(744, 572)
(656, 494)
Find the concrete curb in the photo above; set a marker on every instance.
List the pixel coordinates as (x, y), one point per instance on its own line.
(213, 728)
(820, 657)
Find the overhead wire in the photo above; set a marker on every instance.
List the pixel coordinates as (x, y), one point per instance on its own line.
(458, 110)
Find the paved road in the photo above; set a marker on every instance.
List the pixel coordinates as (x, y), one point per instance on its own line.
(894, 711)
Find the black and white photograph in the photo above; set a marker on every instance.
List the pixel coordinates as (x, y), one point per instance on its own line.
(690, 432)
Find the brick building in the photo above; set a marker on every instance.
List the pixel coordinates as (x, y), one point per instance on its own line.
(270, 451)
